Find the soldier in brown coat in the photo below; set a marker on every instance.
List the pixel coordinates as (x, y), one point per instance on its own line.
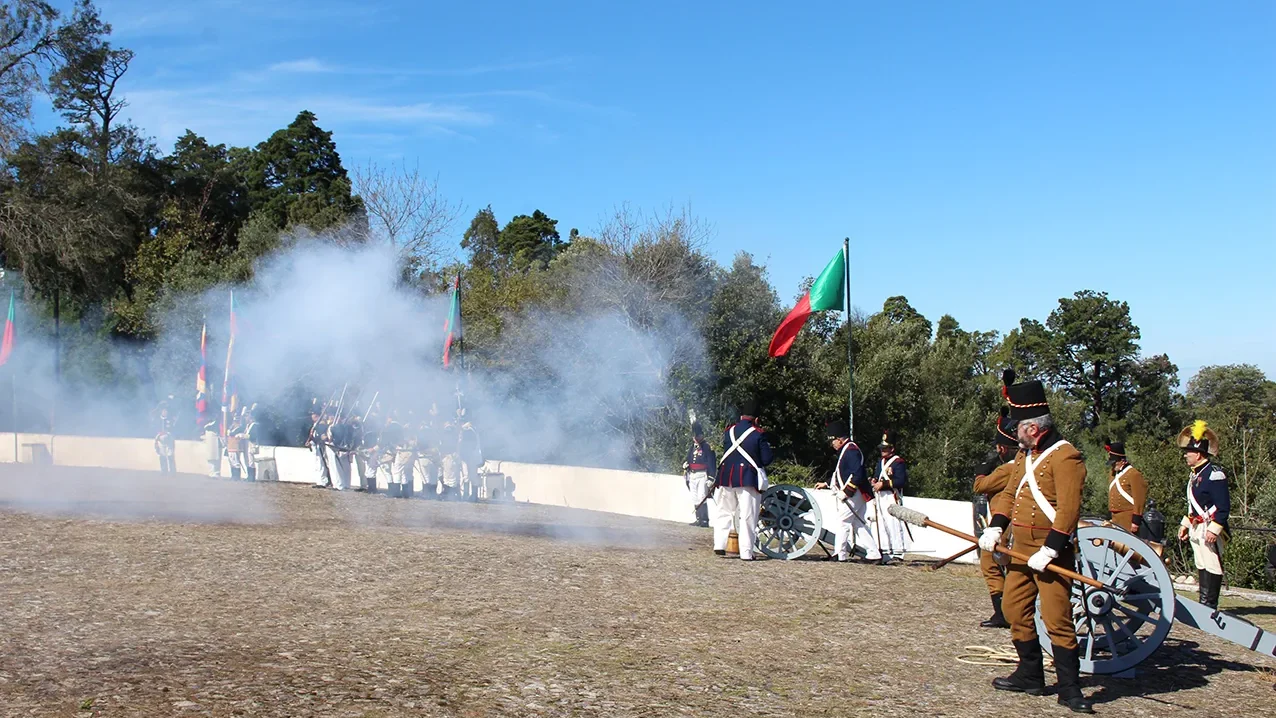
(1127, 489)
(990, 481)
(1041, 505)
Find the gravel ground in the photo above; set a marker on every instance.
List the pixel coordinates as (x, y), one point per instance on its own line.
(148, 596)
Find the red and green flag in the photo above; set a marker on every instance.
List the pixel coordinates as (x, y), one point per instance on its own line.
(201, 380)
(825, 294)
(230, 396)
(6, 347)
(452, 325)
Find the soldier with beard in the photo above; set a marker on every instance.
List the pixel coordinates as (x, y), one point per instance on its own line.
(1041, 505)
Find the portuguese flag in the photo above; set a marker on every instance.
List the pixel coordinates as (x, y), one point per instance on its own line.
(825, 294)
(452, 325)
(6, 348)
(201, 380)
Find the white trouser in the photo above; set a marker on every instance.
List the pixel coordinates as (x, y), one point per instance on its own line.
(321, 466)
(385, 470)
(698, 482)
(403, 467)
(340, 463)
(451, 471)
(1207, 558)
(361, 469)
(738, 505)
(890, 529)
(863, 533)
(846, 526)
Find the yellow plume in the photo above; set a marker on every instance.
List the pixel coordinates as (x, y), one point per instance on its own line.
(1198, 429)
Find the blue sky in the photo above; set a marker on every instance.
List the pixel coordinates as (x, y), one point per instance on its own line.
(986, 158)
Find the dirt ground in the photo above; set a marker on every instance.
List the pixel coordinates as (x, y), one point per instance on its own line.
(138, 595)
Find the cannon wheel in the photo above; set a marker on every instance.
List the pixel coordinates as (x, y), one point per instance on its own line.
(789, 522)
(1117, 631)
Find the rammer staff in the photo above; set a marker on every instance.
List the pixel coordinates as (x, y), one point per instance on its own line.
(913, 516)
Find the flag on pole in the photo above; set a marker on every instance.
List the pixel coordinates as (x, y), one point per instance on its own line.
(6, 347)
(825, 294)
(452, 325)
(230, 397)
(201, 380)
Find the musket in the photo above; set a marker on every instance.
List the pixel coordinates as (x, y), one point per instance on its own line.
(342, 400)
(370, 405)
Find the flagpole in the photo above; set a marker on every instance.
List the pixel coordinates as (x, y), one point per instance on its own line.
(850, 359)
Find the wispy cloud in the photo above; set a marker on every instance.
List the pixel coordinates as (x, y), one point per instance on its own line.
(238, 118)
(313, 65)
(307, 65)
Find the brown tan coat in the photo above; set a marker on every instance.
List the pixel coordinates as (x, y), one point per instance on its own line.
(1061, 478)
(1123, 511)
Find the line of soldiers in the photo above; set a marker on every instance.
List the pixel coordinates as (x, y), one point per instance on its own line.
(239, 445)
(394, 449)
(864, 527)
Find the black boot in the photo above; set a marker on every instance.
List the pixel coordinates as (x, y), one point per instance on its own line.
(406, 492)
(252, 473)
(1067, 669)
(1030, 676)
(1211, 586)
(997, 620)
(394, 491)
(234, 473)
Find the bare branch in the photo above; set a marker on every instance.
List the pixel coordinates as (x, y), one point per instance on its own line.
(406, 210)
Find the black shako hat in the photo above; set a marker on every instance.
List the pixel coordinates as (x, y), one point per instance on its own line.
(1026, 400)
(889, 439)
(749, 407)
(1006, 429)
(1115, 449)
(836, 430)
(697, 429)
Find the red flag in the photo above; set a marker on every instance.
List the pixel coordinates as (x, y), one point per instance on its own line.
(6, 347)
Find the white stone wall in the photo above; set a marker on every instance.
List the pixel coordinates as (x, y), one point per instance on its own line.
(656, 496)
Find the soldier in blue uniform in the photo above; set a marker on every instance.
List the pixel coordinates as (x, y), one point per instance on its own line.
(888, 489)
(700, 467)
(314, 440)
(741, 481)
(1209, 504)
(851, 487)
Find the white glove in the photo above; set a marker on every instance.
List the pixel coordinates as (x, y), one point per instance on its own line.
(989, 538)
(1042, 558)
(685, 466)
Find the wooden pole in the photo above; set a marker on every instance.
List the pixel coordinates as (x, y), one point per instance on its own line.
(1021, 556)
(850, 359)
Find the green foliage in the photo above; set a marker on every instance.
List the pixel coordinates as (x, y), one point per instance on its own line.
(296, 178)
(529, 240)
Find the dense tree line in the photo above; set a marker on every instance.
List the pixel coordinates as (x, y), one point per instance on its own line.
(109, 232)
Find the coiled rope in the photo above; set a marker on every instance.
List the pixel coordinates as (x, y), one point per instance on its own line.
(985, 656)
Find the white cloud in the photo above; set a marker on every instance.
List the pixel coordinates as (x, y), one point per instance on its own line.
(309, 64)
(228, 115)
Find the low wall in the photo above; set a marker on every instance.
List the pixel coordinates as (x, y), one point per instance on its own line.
(632, 493)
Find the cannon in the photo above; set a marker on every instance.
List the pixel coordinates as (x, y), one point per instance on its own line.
(1127, 604)
(789, 522)
(1120, 626)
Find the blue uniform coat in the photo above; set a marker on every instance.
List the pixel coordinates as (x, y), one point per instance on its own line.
(735, 470)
